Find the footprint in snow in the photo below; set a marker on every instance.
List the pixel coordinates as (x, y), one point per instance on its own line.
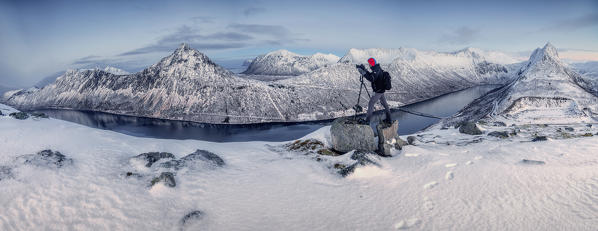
(450, 165)
(405, 224)
(428, 204)
(449, 175)
(430, 185)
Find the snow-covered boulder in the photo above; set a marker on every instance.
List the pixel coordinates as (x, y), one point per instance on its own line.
(283, 62)
(46, 158)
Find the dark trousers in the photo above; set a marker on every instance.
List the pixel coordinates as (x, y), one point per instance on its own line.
(373, 100)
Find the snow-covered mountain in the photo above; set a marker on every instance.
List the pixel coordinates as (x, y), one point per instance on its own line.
(389, 55)
(545, 91)
(52, 78)
(283, 62)
(187, 85)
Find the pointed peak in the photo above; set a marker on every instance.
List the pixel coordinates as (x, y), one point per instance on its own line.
(184, 46)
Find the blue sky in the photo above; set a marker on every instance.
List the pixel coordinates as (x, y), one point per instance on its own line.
(39, 38)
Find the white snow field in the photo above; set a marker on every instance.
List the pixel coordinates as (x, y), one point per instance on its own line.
(448, 181)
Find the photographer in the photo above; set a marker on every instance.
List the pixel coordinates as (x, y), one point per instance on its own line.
(380, 80)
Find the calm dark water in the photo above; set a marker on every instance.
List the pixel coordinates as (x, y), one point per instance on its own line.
(442, 106)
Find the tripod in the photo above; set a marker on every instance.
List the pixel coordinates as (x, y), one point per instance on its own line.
(362, 85)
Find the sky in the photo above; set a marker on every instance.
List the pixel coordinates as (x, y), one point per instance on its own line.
(41, 38)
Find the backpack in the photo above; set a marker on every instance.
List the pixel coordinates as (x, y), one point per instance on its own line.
(387, 83)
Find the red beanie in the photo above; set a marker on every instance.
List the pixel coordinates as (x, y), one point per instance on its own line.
(372, 62)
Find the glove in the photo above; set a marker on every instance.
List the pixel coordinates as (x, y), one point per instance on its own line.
(361, 69)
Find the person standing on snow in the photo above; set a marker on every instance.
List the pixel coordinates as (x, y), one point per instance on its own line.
(380, 80)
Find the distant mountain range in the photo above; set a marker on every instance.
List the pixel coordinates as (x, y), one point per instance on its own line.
(187, 85)
(283, 62)
(545, 90)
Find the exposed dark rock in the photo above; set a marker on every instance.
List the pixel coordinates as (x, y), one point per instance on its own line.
(411, 139)
(347, 135)
(569, 129)
(498, 134)
(204, 156)
(362, 159)
(469, 128)
(339, 166)
(588, 125)
(587, 134)
(19, 115)
(400, 143)
(328, 152)
(1, 113)
(499, 124)
(305, 145)
(195, 215)
(166, 177)
(39, 115)
(153, 157)
(47, 158)
(535, 162)
(539, 138)
(132, 174)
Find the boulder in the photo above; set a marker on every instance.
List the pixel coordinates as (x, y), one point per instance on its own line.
(347, 134)
(469, 128)
(19, 115)
(205, 156)
(411, 139)
(153, 157)
(387, 135)
(191, 159)
(569, 129)
(47, 158)
(498, 134)
(400, 143)
(166, 177)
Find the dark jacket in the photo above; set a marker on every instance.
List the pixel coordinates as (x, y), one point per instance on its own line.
(375, 77)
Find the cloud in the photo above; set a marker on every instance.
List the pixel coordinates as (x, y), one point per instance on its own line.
(234, 35)
(460, 36)
(197, 40)
(273, 30)
(574, 23)
(202, 19)
(253, 11)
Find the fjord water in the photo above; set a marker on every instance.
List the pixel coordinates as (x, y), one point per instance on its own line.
(442, 106)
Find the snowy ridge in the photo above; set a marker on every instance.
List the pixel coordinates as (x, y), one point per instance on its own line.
(187, 85)
(283, 62)
(386, 56)
(545, 91)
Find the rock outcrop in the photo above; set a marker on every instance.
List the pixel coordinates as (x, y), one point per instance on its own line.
(348, 134)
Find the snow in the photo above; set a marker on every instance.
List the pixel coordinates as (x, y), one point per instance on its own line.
(187, 85)
(284, 62)
(263, 188)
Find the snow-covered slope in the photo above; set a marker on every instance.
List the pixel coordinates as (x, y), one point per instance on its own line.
(442, 183)
(545, 91)
(283, 62)
(52, 78)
